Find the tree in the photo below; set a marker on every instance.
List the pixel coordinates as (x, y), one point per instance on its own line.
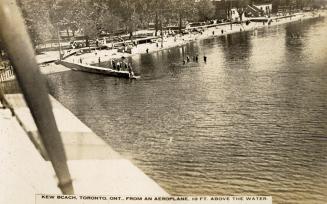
(162, 11)
(60, 14)
(36, 18)
(154, 8)
(146, 9)
(90, 17)
(205, 10)
(241, 6)
(185, 9)
(111, 22)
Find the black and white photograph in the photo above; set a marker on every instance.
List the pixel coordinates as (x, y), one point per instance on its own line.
(163, 101)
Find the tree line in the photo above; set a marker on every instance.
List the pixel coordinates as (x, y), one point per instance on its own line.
(44, 18)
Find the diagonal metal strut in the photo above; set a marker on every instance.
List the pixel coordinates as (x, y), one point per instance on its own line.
(18, 46)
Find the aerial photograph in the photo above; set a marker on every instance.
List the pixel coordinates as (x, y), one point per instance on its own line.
(165, 99)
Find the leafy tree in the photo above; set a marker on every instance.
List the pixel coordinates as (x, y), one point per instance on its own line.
(36, 18)
(241, 6)
(205, 10)
(111, 22)
(161, 11)
(153, 7)
(185, 9)
(59, 14)
(90, 17)
(43, 17)
(146, 10)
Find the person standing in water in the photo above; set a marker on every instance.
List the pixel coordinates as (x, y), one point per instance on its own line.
(130, 70)
(113, 64)
(205, 59)
(118, 66)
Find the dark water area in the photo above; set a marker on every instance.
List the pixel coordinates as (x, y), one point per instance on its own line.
(250, 121)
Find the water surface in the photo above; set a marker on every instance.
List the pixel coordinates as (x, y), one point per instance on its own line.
(251, 121)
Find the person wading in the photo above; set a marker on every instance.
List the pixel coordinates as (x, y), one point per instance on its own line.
(130, 70)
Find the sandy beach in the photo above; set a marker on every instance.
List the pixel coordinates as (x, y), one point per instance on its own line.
(168, 42)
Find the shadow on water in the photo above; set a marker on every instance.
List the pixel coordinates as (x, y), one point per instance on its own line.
(236, 48)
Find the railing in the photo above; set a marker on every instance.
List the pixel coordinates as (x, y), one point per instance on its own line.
(6, 73)
(17, 43)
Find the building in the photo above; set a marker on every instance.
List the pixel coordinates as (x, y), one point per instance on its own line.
(223, 8)
(235, 16)
(265, 8)
(227, 9)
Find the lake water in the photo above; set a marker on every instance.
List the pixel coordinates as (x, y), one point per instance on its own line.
(251, 121)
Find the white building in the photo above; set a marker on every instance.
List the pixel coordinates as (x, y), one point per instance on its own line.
(235, 15)
(266, 8)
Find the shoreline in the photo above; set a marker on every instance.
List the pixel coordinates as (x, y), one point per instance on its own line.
(169, 42)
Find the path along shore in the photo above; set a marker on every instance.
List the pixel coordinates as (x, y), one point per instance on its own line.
(169, 42)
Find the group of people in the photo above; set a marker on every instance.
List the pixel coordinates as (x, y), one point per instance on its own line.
(122, 65)
(195, 59)
(295, 35)
(118, 65)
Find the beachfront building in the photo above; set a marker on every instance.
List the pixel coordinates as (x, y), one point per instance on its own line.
(235, 16)
(224, 9)
(227, 9)
(265, 8)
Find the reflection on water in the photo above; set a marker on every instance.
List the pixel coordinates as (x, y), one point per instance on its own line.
(250, 121)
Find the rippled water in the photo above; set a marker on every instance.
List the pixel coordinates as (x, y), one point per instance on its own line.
(252, 121)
